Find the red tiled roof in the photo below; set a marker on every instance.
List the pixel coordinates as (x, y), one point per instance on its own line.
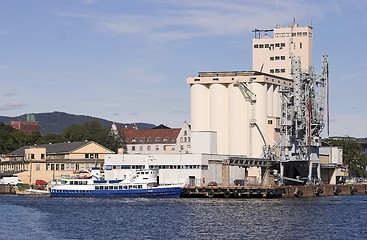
(146, 136)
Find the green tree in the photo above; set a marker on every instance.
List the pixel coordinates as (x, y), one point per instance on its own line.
(51, 138)
(92, 131)
(352, 156)
(12, 139)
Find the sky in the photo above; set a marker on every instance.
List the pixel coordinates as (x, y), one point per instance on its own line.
(127, 61)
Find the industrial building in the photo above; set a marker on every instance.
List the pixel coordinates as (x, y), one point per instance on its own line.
(242, 122)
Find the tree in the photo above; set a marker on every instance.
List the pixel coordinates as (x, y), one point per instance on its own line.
(12, 139)
(352, 156)
(51, 138)
(92, 131)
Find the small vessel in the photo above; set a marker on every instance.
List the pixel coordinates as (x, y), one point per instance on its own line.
(141, 184)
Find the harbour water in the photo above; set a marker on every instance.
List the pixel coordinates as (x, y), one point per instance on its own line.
(41, 217)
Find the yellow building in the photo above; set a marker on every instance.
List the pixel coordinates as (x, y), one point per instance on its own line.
(52, 161)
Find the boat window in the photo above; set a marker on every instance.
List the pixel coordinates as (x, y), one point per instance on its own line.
(115, 187)
(105, 187)
(125, 187)
(140, 186)
(110, 187)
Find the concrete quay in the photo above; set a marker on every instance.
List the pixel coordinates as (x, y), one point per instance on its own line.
(273, 191)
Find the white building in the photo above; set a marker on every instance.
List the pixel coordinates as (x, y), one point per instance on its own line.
(193, 169)
(242, 108)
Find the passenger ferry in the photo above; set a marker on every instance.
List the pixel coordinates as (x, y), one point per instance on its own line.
(141, 184)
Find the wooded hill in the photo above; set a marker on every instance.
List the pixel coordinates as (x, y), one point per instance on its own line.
(56, 122)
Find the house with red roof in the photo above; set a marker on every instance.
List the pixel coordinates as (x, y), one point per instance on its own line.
(160, 139)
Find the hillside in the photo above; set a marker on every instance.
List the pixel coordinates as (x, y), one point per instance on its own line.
(56, 122)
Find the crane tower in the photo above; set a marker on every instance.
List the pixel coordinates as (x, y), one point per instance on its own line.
(302, 121)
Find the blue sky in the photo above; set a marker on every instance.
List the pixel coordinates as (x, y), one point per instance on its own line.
(127, 61)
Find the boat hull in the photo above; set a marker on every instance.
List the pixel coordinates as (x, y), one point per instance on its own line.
(158, 192)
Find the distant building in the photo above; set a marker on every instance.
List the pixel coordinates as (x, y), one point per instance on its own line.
(157, 140)
(51, 161)
(27, 127)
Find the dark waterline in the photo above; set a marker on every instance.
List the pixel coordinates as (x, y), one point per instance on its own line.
(40, 217)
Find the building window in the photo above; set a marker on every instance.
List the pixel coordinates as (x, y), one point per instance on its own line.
(157, 147)
(133, 140)
(32, 156)
(277, 45)
(188, 139)
(157, 139)
(282, 45)
(300, 45)
(150, 139)
(270, 121)
(277, 70)
(256, 46)
(271, 70)
(38, 167)
(165, 139)
(277, 57)
(132, 148)
(282, 57)
(42, 156)
(185, 139)
(185, 133)
(271, 58)
(62, 166)
(266, 45)
(149, 148)
(142, 139)
(47, 166)
(141, 148)
(282, 70)
(182, 147)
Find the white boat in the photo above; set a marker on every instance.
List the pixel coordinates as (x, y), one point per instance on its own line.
(141, 184)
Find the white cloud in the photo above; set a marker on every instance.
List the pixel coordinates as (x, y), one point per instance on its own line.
(176, 20)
